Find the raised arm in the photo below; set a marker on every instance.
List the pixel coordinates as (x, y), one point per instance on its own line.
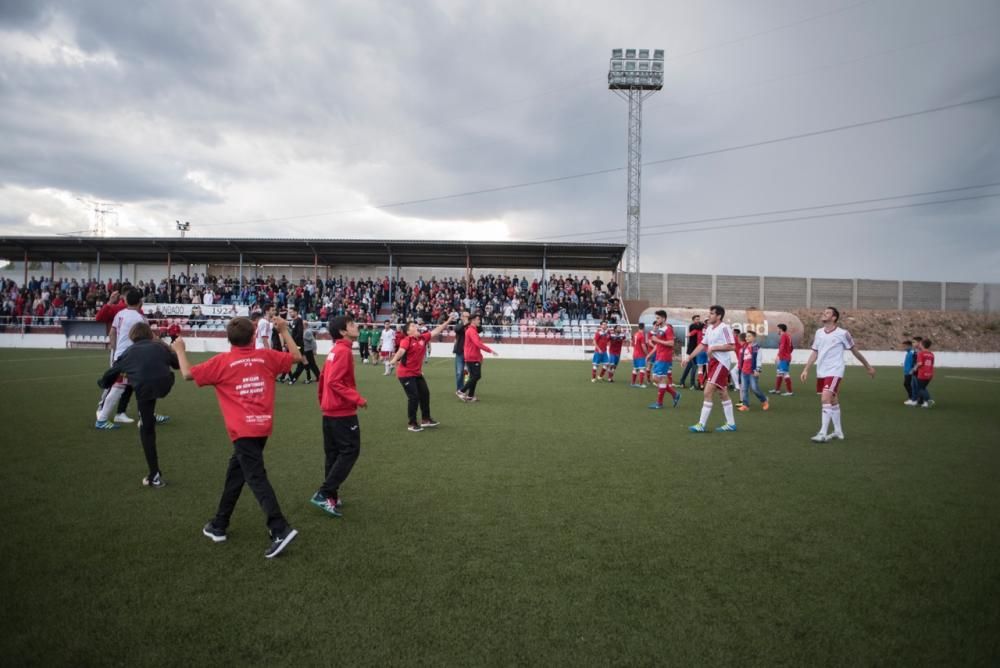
(286, 337)
(180, 349)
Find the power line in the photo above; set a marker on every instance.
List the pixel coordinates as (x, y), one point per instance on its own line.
(776, 212)
(580, 175)
(812, 217)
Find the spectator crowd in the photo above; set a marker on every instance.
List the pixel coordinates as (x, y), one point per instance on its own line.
(501, 299)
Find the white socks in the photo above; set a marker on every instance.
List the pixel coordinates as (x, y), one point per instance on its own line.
(110, 404)
(706, 410)
(727, 408)
(835, 414)
(827, 416)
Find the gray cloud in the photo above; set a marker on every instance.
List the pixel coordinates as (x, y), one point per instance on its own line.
(283, 110)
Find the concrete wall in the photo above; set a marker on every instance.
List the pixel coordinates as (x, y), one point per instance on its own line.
(921, 295)
(878, 294)
(785, 293)
(738, 291)
(689, 290)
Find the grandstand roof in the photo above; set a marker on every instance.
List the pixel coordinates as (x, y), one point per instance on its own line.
(499, 254)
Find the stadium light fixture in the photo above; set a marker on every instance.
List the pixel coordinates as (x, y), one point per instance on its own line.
(634, 75)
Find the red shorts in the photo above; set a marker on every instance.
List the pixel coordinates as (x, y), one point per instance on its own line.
(385, 355)
(718, 374)
(819, 385)
(829, 384)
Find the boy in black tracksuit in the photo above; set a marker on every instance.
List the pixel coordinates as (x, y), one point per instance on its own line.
(148, 364)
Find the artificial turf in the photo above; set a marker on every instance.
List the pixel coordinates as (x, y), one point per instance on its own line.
(556, 522)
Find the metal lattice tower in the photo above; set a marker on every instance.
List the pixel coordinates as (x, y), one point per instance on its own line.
(98, 225)
(634, 76)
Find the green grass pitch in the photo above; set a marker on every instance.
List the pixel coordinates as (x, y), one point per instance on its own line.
(557, 522)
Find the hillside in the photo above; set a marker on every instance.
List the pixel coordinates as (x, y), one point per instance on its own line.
(884, 330)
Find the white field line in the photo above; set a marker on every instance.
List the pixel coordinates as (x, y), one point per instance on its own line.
(977, 380)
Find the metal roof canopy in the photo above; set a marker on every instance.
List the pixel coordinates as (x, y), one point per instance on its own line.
(493, 254)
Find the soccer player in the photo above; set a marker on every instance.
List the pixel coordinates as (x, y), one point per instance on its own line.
(474, 348)
(662, 338)
(244, 380)
(925, 373)
(615, 344)
(735, 382)
(148, 363)
(914, 385)
(339, 401)
(121, 326)
(828, 349)
(784, 362)
(718, 342)
(601, 338)
(701, 359)
(387, 346)
(410, 371)
(297, 326)
(639, 352)
(750, 359)
(262, 335)
(364, 341)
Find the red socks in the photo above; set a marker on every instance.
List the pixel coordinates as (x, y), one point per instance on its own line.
(788, 383)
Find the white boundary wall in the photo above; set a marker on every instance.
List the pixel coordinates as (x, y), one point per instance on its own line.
(879, 358)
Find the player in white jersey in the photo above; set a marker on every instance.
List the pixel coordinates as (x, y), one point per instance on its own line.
(121, 326)
(719, 343)
(828, 349)
(387, 346)
(265, 327)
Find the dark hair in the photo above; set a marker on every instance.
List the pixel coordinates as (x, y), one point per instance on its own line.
(717, 310)
(255, 317)
(783, 327)
(742, 336)
(695, 317)
(339, 324)
(836, 313)
(642, 326)
(133, 297)
(926, 343)
(736, 329)
(918, 338)
(475, 316)
(240, 331)
(907, 342)
(140, 331)
(662, 314)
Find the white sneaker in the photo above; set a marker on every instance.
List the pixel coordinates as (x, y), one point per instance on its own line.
(772, 391)
(839, 435)
(909, 402)
(926, 405)
(593, 380)
(124, 419)
(789, 394)
(820, 438)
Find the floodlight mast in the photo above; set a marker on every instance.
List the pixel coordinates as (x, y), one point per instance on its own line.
(633, 76)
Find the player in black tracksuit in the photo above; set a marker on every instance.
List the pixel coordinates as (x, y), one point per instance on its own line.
(148, 364)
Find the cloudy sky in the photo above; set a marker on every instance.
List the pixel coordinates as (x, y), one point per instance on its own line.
(305, 119)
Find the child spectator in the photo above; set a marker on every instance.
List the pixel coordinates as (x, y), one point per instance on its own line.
(244, 381)
(924, 373)
(909, 361)
(750, 362)
(339, 401)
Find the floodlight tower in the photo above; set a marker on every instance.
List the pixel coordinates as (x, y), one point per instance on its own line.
(98, 227)
(183, 228)
(634, 76)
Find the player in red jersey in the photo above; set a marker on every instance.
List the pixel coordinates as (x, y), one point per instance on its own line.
(784, 362)
(601, 339)
(639, 352)
(662, 337)
(615, 344)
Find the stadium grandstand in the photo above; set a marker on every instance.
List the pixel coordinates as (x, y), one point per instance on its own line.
(526, 292)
